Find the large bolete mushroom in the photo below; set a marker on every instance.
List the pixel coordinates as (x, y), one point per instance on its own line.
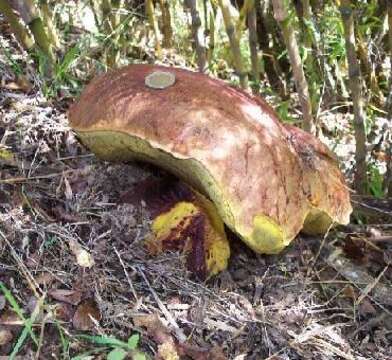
(267, 180)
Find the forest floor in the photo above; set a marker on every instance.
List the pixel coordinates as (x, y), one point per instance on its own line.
(73, 262)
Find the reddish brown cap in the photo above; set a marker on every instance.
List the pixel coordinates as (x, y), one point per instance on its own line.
(226, 143)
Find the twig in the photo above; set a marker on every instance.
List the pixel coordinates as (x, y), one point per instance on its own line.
(355, 274)
(370, 286)
(372, 207)
(380, 238)
(38, 177)
(23, 269)
(179, 333)
(127, 275)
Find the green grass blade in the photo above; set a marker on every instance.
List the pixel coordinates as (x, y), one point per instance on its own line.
(104, 340)
(15, 307)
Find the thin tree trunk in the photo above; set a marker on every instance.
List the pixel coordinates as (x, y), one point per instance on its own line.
(311, 62)
(17, 26)
(50, 27)
(31, 17)
(280, 13)
(265, 34)
(368, 71)
(318, 39)
(388, 175)
(167, 29)
(356, 94)
(150, 10)
(95, 8)
(211, 43)
(111, 19)
(106, 27)
(115, 20)
(254, 49)
(198, 36)
(246, 6)
(205, 13)
(234, 43)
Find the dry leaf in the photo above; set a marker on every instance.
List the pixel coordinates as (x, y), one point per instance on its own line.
(367, 308)
(7, 157)
(68, 190)
(83, 257)
(8, 317)
(72, 297)
(168, 351)
(85, 315)
(44, 278)
(155, 328)
(5, 336)
(197, 353)
(21, 83)
(63, 311)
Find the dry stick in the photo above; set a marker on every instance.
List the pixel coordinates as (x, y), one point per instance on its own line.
(197, 34)
(38, 177)
(167, 29)
(17, 27)
(23, 268)
(234, 42)
(356, 94)
(179, 333)
(150, 10)
(281, 16)
(130, 283)
(357, 276)
(253, 45)
(369, 287)
(388, 175)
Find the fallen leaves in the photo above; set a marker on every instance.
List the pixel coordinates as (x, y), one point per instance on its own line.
(5, 336)
(83, 257)
(7, 157)
(86, 315)
(87, 312)
(72, 297)
(168, 347)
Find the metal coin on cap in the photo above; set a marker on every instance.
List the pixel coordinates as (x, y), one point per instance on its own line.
(160, 79)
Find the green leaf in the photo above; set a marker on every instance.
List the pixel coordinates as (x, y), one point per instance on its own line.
(117, 354)
(139, 356)
(104, 340)
(83, 357)
(133, 341)
(69, 57)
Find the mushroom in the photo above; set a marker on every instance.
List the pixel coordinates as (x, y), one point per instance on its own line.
(267, 180)
(183, 220)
